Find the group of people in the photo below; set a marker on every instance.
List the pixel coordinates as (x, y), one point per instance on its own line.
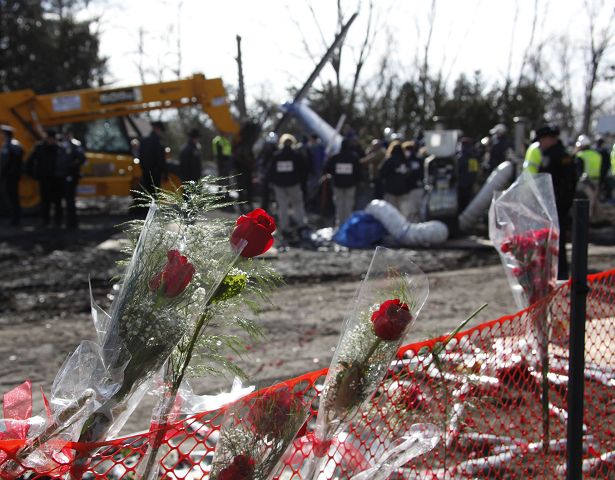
(55, 163)
(302, 177)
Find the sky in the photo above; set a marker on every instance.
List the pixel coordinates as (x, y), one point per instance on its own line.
(469, 35)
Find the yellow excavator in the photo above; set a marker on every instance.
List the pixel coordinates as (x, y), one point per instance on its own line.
(103, 116)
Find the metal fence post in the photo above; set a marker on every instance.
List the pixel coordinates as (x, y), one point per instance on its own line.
(576, 360)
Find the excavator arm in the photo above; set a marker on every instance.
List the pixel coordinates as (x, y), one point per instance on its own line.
(108, 173)
(28, 113)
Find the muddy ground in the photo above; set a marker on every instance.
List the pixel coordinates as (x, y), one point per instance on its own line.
(45, 310)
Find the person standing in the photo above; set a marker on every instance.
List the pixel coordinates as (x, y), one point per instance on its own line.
(263, 163)
(560, 164)
(190, 158)
(533, 158)
(222, 149)
(11, 156)
(467, 173)
(371, 162)
(317, 155)
(286, 172)
(395, 175)
(344, 168)
(415, 199)
(499, 146)
(42, 166)
(152, 158)
(589, 160)
(604, 167)
(70, 159)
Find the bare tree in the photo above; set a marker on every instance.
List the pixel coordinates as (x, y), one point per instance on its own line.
(600, 40)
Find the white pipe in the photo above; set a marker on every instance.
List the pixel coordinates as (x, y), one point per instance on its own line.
(406, 233)
(499, 179)
(314, 123)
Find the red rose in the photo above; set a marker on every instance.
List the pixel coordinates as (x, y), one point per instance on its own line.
(174, 277)
(255, 228)
(270, 413)
(241, 468)
(391, 319)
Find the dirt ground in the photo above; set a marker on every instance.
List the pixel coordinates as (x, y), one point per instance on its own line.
(45, 310)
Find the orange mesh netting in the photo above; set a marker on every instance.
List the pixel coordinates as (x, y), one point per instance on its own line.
(483, 391)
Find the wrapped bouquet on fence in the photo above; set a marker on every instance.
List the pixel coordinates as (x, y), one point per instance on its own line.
(524, 228)
(387, 303)
(257, 431)
(179, 268)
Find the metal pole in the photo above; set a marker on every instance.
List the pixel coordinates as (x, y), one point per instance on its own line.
(323, 61)
(576, 365)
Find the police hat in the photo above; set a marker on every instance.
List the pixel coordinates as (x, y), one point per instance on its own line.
(546, 131)
(194, 133)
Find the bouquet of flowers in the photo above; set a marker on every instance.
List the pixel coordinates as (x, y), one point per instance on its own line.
(256, 432)
(387, 303)
(524, 228)
(183, 264)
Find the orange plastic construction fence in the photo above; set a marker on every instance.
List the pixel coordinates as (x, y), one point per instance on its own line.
(483, 391)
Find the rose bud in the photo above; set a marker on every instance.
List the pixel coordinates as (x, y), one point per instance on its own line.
(270, 413)
(241, 468)
(506, 246)
(174, 277)
(256, 228)
(391, 320)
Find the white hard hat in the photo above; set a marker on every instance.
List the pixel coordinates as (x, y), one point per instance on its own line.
(583, 141)
(499, 128)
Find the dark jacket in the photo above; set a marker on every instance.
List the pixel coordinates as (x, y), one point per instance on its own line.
(288, 168)
(344, 168)
(497, 152)
(11, 156)
(560, 164)
(151, 155)
(467, 167)
(190, 162)
(396, 174)
(42, 161)
(70, 159)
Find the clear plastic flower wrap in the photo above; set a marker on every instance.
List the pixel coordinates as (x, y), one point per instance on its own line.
(256, 432)
(386, 305)
(180, 263)
(524, 228)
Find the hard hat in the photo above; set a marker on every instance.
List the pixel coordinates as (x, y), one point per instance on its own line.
(271, 137)
(498, 129)
(583, 141)
(287, 138)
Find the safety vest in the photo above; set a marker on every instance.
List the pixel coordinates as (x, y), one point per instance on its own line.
(591, 163)
(224, 145)
(613, 161)
(533, 159)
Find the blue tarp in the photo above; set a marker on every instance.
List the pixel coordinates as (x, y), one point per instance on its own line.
(361, 230)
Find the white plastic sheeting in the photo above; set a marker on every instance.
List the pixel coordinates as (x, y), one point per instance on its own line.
(499, 179)
(406, 233)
